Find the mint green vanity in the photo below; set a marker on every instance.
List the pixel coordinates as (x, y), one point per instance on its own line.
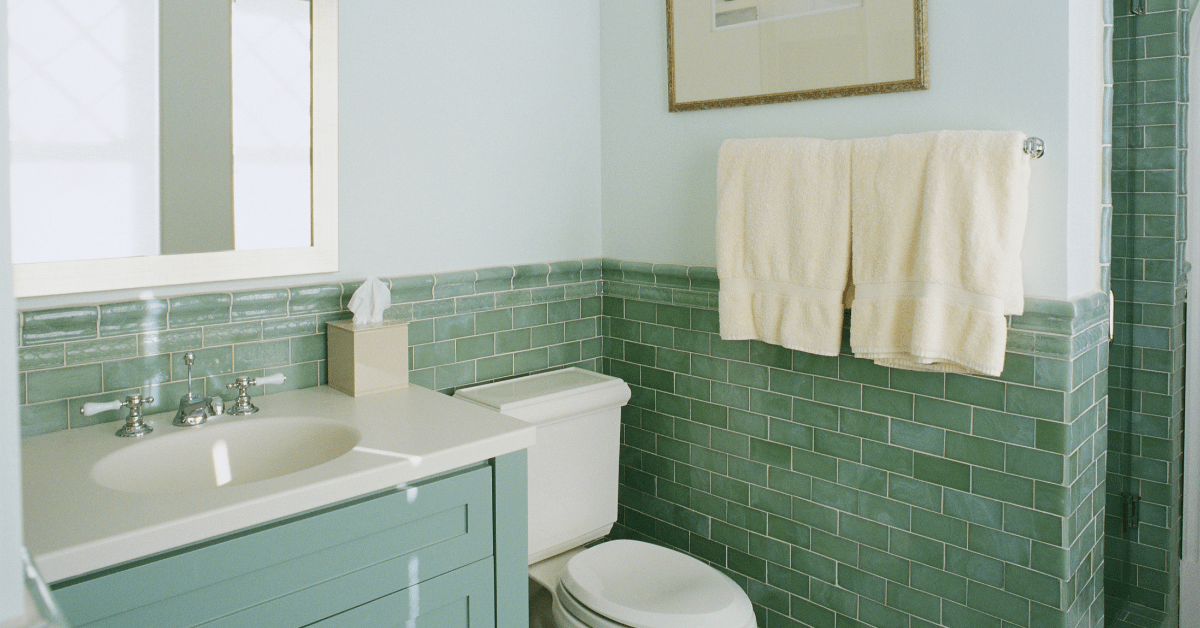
(446, 549)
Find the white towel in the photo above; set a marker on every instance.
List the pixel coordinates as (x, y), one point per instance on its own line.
(938, 223)
(783, 241)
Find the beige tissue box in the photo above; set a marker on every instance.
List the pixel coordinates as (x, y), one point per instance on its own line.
(367, 358)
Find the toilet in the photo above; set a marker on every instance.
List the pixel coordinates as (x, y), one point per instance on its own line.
(573, 474)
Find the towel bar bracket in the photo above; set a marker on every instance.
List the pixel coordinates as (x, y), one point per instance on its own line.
(1035, 147)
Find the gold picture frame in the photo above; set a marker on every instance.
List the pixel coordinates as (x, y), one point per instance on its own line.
(804, 49)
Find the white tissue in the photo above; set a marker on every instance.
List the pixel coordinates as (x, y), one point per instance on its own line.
(370, 301)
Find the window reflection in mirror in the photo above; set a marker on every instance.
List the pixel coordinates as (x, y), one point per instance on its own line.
(113, 118)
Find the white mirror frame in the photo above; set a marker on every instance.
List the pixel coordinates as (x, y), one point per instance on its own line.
(50, 278)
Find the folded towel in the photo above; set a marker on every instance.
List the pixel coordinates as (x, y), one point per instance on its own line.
(783, 241)
(938, 223)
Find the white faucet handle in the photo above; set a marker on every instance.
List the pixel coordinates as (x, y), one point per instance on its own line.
(270, 380)
(95, 407)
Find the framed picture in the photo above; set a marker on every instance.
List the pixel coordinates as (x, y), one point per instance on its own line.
(732, 53)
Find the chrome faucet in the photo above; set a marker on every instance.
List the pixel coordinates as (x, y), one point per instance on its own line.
(242, 405)
(195, 409)
(134, 425)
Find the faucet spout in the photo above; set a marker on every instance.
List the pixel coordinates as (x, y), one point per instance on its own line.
(194, 411)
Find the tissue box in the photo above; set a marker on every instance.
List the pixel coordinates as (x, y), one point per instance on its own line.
(368, 357)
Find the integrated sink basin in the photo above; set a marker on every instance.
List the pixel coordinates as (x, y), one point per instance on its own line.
(228, 454)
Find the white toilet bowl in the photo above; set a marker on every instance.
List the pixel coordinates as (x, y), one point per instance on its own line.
(630, 584)
(573, 477)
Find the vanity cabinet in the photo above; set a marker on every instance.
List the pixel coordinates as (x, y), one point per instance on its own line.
(446, 551)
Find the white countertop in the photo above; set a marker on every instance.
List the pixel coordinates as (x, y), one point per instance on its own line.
(74, 525)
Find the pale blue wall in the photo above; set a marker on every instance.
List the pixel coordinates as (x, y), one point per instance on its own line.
(993, 65)
(469, 137)
(11, 582)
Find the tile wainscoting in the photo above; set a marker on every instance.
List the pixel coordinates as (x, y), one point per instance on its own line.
(838, 493)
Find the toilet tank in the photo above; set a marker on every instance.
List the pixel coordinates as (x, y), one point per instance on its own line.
(573, 466)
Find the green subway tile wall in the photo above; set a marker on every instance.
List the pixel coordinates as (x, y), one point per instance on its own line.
(840, 493)
(465, 328)
(1149, 146)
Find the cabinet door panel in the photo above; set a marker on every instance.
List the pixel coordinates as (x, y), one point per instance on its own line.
(462, 598)
(302, 569)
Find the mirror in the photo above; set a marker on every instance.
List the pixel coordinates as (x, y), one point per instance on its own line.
(171, 142)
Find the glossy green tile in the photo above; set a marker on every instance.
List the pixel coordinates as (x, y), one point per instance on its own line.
(838, 393)
(915, 492)
(412, 289)
(40, 357)
(546, 335)
(824, 366)
(1006, 428)
(235, 333)
(564, 272)
(43, 418)
(496, 279)
(454, 375)
(530, 361)
(298, 376)
(530, 276)
(137, 372)
(1002, 487)
(999, 545)
(1035, 464)
(288, 327)
(453, 284)
(915, 436)
(100, 350)
(1032, 585)
(133, 317)
(975, 391)
(201, 309)
(975, 451)
(259, 304)
(475, 347)
(974, 566)
(998, 603)
(487, 369)
(307, 348)
(961, 616)
(215, 361)
(887, 402)
(260, 355)
(58, 325)
(475, 303)
(157, 342)
(315, 299)
(862, 531)
(914, 602)
(942, 472)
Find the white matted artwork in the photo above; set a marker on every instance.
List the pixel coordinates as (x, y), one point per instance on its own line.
(730, 53)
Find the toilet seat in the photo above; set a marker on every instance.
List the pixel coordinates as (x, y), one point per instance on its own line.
(626, 583)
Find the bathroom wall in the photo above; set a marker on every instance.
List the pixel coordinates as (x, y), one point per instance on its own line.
(838, 492)
(1027, 66)
(12, 589)
(465, 327)
(1146, 386)
(828, 487)
(469, 137)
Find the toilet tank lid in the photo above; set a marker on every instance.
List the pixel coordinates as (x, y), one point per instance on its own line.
(517, 397)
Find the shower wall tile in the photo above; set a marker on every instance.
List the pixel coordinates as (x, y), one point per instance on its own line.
(1145, 377)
